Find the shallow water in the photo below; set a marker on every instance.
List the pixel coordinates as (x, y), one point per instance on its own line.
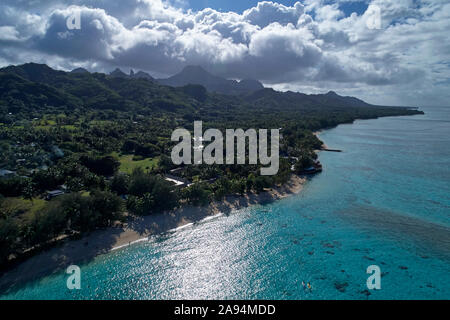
(384, 201)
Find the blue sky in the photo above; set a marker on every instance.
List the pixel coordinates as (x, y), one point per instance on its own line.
(391, 52)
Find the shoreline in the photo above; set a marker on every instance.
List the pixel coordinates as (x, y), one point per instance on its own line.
(105, 241)
(317, 134)
(138, 229)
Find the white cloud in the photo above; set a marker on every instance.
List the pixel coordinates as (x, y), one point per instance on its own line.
(9, 33)
(267, 12)
(311, 46)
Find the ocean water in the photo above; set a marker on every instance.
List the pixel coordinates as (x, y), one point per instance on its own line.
(384, 201)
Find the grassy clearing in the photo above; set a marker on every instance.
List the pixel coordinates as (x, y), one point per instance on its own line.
(69, 127)
(127, 165)
(45, 124)
(85, 193)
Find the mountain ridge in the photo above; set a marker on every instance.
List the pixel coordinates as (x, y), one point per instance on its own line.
(118, 73)
(198, 76)
(121, 90)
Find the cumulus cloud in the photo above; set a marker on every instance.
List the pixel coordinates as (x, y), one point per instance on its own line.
(312, 45)
(9, 33)
(100, 34)
(267, 12)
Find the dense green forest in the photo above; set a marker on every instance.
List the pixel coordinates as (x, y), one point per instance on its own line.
(105, 142)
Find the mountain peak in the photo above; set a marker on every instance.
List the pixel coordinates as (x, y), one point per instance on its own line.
(118, 73)
(79, 70)
(195, 71)
(197, 75)
(33, 71)
(331, 93)
(142, 75)
(36, 67)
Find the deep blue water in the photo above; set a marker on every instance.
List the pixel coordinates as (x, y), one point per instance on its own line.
(384, 201)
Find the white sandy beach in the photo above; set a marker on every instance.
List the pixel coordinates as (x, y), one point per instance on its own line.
(137, 229)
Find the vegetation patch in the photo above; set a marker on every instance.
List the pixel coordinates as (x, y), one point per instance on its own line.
(129, 163)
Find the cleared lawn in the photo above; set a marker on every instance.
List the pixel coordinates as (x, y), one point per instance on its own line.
(127, 165)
